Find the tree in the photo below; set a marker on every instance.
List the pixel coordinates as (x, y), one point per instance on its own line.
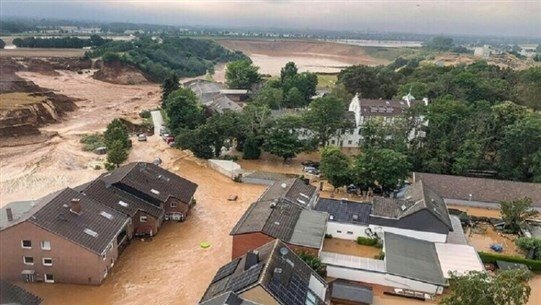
(170, 84)
(294, 98)
(272, 97)
(282, 138)
(182, 110)
(325, 118)
(256, 118)
(117, 153)
(2, 44)
(384, 166)
(196, 141)
(480, 288)
(313, 262)
(305, 82)
(515, 212)
(288, 71)
(242, 74)
(529, 88)
(439, 43)
(251, 149)
(116, 132)
(335, 167)
(530, 244)
(370, 82)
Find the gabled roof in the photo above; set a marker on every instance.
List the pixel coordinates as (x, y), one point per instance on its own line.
(119, 200)
(276, 268)
(384, 107)
(345, 211)
(284, 220)
(417, 197)
(11, 294)
(94, 228)
(152, 180)
(412, 258)
(294, 190)
(481, 189)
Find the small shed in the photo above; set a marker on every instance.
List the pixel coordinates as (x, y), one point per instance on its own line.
(346, 292)
(503, 265)
(226, 167)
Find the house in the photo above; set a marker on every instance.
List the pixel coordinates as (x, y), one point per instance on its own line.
(11, 294)
(411, 266)
(151, 183)
(213, 96)
(419, 213)
(270, 274)
(293, 190)
(301, 229)
(480, 192)
(146, 218)
(65, 237)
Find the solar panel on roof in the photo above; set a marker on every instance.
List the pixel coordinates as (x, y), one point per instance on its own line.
(245, 279)
(226, 270)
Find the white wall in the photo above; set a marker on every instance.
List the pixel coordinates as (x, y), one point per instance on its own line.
(383, 279)
(333, 228)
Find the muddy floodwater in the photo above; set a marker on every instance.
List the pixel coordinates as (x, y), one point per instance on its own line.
(172, 268)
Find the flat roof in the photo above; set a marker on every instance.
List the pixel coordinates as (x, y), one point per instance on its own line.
(310, 229)
(456, 236)
(458, 258)
(353, 262)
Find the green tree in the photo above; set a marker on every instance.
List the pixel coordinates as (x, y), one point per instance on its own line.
(288, 71)
(529, 88)
(515, 212)
(170, 84)
(384, 166)
(251, 149)
(242, 74)
(305, 82)
(439, 43)
(294, 98)
(117, 153)
(116, 131)
(272, 97)
(182, 110)
(256, 118)
(335, 167)
(370, 82)
(282, 138)
(324, 118)
(480, 288)
(530, 244)
(196, 141)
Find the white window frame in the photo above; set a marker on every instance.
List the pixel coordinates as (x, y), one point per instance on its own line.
(23, 246)
(173, 204)
(45, 278)
(24, 260)
(43, 243)
(143, 218)
(47, 264)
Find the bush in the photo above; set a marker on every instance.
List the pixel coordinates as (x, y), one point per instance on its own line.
(97, 167)
(92, 141)
(145, 114)
(367, 241)
(252, 150)
(530, 243)
(109, 166)
(490, 258)
(328, 236)
(380, 256)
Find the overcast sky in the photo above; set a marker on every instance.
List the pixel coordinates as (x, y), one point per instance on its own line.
(516, 18)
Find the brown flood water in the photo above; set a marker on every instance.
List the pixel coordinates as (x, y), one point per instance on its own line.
(349, 247)
(172, 268)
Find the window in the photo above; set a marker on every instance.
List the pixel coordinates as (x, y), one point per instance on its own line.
(142, 219)
(91, 232)
(349, 232)
(26, 244)
(349, 142)
(49, 278)
(28, 260)
(122, 203)
(310, 298)
(338, 231)
(47, 261)
(45, 245)
(106, 215)
(173, 204)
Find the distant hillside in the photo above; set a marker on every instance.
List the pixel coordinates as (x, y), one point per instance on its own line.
(158, 58)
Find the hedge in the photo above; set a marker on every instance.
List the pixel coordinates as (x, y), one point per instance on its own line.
(367, 241)
(488, 258)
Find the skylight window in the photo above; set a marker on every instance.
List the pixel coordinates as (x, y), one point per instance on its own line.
(155, 191)
(106, 215)
(122, 203)
(305, 196)
(301, 201)
(91, 232)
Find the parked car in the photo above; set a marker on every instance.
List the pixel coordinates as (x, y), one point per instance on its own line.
(165, 136)
(169, 139)
(351, 189)
(141, 137)
(311, 170)
(310, 163)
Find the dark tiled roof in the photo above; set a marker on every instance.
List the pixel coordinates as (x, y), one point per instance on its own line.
(15, 295)
(294, 190)
(284, 275)
(95, 219)
(417, 197)
(352, 292)
(371, 107)
(481, 189)
(280, 219)
(345, 211)
(227, 298)
(153, 181)
(119, 200)
(412, 258)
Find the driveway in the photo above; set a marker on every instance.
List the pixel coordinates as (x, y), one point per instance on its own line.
(158, 121)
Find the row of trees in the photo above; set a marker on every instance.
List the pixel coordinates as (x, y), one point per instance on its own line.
(63, 42)
(160, 58)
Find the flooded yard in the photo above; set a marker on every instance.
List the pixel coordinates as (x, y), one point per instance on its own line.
(483, 235)
(349, 247)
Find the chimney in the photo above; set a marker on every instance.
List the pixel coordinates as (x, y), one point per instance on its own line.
(9, 214)
(252, 259)
(75, 206)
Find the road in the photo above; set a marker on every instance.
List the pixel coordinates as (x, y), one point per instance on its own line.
(158, 121)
